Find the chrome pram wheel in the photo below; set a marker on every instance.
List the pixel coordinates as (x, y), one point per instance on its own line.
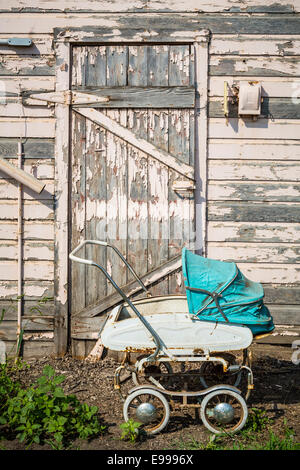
(148, 407)
(224, 411)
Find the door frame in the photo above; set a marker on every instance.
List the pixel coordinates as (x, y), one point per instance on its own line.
(64, 41)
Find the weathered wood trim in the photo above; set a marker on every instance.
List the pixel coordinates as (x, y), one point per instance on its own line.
(141, 97)
(143, 145)
(156, 27)
(87, 327)
(178, 26)
(62, 203)
(131, 288)
(201, 135)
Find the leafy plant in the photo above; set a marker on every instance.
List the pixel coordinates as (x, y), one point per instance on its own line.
(257, 420)
(130, 430)
(43, 412)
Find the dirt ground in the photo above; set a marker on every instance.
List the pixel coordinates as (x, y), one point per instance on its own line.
(277, 391)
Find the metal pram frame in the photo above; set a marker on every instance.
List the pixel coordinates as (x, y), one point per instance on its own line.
(222, 406)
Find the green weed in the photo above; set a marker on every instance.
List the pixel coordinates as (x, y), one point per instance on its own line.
(42, 412)
(130, 430)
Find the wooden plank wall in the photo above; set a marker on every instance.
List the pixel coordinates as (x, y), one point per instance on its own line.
(253, 169)
(23, 71)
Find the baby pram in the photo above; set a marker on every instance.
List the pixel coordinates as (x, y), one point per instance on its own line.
(197, 333)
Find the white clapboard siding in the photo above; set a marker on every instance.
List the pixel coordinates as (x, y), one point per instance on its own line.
(30, 127)
(253, 191)
(32, 210)
(273, 87)
(32, 230)
(27, 65)
(10, 190)
(40, 169)
(9, 85)
(253, 231)
(254, 65)
(248, 129)
(14, 109)
(32, 250)
(33, 270)
(151, 5)
(41, 45)
(255, 170)
(271, 273)
(254, 252)
(249, 45)
(32, 289)
(256, 149)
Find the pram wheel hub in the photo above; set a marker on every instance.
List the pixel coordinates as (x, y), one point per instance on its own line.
(223, 413)
(186, 342)
(146, 412)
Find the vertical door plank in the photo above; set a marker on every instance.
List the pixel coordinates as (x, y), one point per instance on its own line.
(117, 191)
(137, 253)
(179, 65)
(137, 65)
(181, 146)
(96, 285)
(95, 209)
(96, 66)
(78, 209)
(158, 65)
(79, 65)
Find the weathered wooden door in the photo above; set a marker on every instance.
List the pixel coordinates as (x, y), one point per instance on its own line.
(132, 161)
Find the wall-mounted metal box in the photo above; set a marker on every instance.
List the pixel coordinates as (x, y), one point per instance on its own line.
(249, 98)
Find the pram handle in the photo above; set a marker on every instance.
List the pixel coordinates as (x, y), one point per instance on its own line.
(91, 262)
(122, 294)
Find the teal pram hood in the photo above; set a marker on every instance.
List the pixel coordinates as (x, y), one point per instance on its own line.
(240, 299)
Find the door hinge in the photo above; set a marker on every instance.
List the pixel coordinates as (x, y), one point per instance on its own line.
(68, 97)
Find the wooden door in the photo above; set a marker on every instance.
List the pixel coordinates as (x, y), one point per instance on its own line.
(128, 156)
